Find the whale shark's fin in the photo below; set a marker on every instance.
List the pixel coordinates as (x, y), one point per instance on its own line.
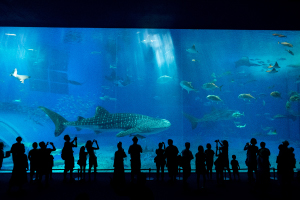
(57, 120)
(128, 132)
(101, 112)
(194, 121)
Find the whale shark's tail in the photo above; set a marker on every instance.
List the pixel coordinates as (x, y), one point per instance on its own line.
(57, 120)
(194, 121)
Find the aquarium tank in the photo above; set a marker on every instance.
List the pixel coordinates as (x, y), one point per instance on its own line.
(193, 86)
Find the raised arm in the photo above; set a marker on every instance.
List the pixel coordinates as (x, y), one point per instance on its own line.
(96, 144)
(53, 147)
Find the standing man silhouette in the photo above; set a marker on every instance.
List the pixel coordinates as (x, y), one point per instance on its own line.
(172, 164)
(135, 151)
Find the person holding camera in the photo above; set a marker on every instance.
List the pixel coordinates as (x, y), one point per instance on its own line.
(67, 155)
(251, 160)
(92, 157)
(45, 161)
(160, 160)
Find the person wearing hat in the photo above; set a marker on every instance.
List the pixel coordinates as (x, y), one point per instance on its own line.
(135, 151)
(17, 149)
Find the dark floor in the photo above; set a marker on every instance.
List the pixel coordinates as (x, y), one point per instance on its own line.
(101, 189)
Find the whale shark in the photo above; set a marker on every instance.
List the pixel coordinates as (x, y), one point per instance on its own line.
(103, 121)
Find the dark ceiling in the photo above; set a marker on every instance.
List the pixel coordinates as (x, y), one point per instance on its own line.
(203, 14)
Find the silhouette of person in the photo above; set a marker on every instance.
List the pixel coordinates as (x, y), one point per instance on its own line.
(201, 157)
(44, 161)
(171, 153)
(187, 156)
(224, 153)
(209, 160)
(251, 160)
(292, 164)
(219, 164)
(135, 151)
(235, 167)
(67, 155)
(82, 162)
(2, 155)
(119, 175)
(160, 160)
(17, 148)
(263, 164)
(92, 157)
(33, 156)
(19, 175)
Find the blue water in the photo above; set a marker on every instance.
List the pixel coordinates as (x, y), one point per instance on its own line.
(54, 56)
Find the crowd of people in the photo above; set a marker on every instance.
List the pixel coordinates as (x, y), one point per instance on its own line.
(257, 161)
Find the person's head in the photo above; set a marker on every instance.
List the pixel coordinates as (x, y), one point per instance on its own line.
(187, 145)
(89, 144)
(34, 145)
(42, 145)
(67, 138)
(233, 157)
(225, 143)
(262, 144)
(119, 145)
(285, 143)
(1, 145)
(160, 145)
(200, 149)
(82, 149)
(170, 142)
(135, 139)
(253, 141)
(208, 145)
(280, 147)
(19, 139)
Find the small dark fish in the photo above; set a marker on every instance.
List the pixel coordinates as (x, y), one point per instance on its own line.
(261, 62)
(292, 53)
(282, 59)
(74, 82)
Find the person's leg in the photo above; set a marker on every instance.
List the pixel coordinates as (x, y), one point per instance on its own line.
(204, 179)
(198, 179)
(162, 171)
(157, 171)
(95, 172)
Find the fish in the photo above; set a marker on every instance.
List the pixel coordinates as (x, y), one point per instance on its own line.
(164, 79)
(17, 100)
(105, 87)
(240, 126)
(211, 86)
(288, 116)
(194, 60)
(138, 136)
(213, 98)
(187, 86)
(112, 67)
(96, 52)
(250, 81)
(106, 97)
(294, 66)
(275, 66)
(285, 44)
(288, 105)
(290, 52)
(117, 80)
(192, 49)
(214, 115)
(272, 71)
(272, 132)
(244, 61)
(282, 58)
(294, 98)
(103, 121)
(262, 95)
(74, 82)
(237, 114)
(266, 128)
(22, 78)
(272, 86)
(246, 96)
(276, 94)
(264, 103)
(280, 35)
(10, 34)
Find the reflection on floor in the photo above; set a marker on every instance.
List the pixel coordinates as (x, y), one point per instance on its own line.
(101, 189)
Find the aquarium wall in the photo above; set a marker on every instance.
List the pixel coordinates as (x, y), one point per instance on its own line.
(192, 86)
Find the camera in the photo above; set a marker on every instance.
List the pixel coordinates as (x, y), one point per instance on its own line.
(217, 140)
(75, 138)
